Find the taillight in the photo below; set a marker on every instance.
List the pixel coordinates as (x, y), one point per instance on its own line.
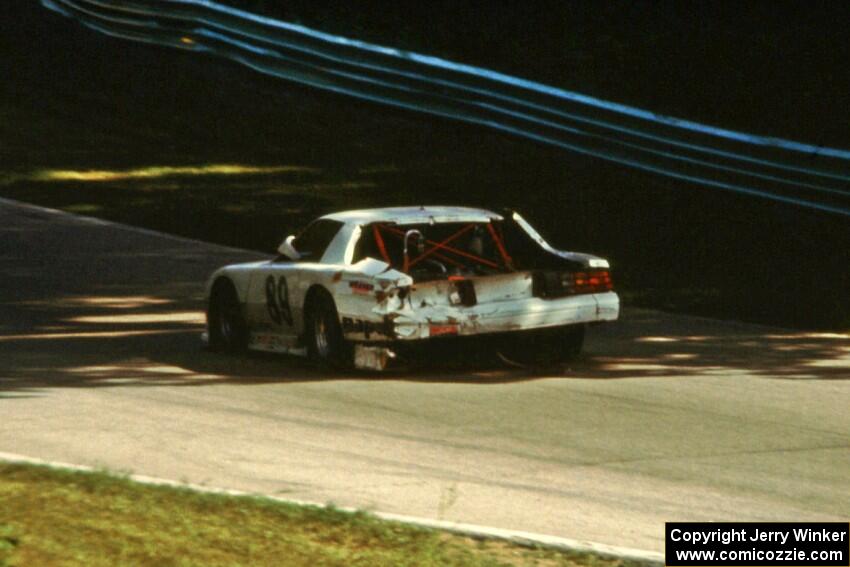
(597, 281)
(560, 284)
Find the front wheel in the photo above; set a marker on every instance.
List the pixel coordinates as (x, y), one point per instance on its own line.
(226, 326)
(325, 343)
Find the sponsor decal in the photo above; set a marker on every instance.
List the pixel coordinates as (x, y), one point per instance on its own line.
(437, 330)
(361, 287)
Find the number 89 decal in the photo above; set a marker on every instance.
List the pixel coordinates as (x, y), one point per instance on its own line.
(277, 300)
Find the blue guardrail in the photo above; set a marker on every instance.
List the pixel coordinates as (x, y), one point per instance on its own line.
(813, 177)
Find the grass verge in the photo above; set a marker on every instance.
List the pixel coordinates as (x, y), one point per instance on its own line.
(57, 517)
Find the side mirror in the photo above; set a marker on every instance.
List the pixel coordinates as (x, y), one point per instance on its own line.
(288, 250)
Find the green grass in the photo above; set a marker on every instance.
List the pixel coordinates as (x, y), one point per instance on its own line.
(56, 517)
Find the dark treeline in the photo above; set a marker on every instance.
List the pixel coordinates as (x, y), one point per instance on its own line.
(673, 245)
(768, 68)
(773, 68)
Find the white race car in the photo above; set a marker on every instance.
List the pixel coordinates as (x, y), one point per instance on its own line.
(365, 286)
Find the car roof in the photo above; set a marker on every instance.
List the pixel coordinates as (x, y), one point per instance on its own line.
(414, 215)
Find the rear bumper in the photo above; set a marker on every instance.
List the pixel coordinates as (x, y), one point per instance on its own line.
(497, 317)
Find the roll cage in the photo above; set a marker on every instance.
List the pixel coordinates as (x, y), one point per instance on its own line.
(466, 247)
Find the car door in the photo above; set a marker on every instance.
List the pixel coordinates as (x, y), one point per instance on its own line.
(269, 305)
(276, 291)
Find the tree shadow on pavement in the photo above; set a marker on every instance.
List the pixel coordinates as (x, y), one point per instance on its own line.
(143, 340)
(651, 343)
(90, 304)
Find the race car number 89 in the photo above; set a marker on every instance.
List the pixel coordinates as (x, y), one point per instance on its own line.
(277, 300)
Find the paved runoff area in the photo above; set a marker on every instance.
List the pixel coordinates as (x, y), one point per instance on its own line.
(665, 418)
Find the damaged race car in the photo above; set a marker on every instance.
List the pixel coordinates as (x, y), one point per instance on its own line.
(363, 287)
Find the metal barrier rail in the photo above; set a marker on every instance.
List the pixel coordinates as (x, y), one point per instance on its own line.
(780, 170)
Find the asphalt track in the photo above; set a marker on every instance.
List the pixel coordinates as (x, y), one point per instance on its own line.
(665, 418)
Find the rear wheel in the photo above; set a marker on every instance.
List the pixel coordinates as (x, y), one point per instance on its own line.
(226, 326)
(572, 341)
(545, 347)
(323, 333)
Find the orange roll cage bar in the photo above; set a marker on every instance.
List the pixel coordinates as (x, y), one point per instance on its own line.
(444, 246)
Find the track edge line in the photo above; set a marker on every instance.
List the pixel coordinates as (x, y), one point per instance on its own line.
(470, 530)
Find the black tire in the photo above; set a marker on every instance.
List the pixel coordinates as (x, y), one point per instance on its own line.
(226, 326)
(323, 333)
(542, 348)
(572, 341)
